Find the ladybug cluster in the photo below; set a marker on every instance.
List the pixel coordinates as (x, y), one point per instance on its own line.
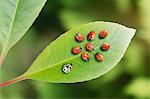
(89, 48)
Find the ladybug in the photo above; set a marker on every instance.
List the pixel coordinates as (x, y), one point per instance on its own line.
(67, 68)
(79, 37)
(76, 50)
(103, 33)
(99, 57)
(91, 36)
(105, 46)
(85, 56)
(89, 47)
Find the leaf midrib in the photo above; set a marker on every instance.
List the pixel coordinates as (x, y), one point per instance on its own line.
(11, 27)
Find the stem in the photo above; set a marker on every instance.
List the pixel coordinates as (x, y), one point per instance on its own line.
(19, 78)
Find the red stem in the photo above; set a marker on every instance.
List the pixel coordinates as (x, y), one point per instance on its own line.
(12, 81)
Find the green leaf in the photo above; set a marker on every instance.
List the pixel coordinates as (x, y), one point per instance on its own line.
(16, 17)
(48, 66)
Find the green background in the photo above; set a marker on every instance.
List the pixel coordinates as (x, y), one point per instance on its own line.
(129, 79)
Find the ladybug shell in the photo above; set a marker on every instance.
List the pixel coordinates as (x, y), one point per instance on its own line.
(85, 56)
(91, 36)
(103, 33)
(67, 68)
(89, 47)
(99, 57)
(76, 50)
(105, 46)
(79, 37)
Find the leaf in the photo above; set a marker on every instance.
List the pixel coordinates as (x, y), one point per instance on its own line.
(48, 65)
(16, 18)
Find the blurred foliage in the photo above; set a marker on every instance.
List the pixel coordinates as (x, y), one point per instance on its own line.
(145, 21)
(72, 18)
(130, 79)
(123, 5)
(139, 83)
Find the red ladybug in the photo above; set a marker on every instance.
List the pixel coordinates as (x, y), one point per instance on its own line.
(79, 37)
(99, 57)
(103, 33)
(91, 36)
(85, 56)
(105, 46)
(89, 47)
(76, 50)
